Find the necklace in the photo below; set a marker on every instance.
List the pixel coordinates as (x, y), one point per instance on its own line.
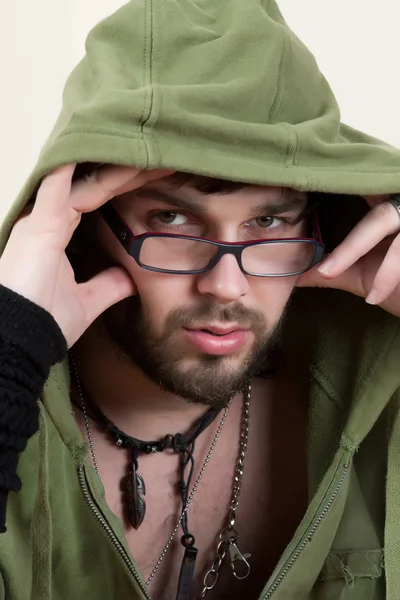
(227, 538)
(133, 485)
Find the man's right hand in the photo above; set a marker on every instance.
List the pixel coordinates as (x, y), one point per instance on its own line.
(34, 263)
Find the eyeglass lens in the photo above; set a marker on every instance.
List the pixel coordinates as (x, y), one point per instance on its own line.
(180, 254)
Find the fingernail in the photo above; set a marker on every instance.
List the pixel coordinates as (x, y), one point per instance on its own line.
(326, 267)
(372, 297)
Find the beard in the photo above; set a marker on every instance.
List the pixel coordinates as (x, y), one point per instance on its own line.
(212, 380)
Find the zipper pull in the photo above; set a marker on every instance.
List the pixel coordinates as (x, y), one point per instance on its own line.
(239, 564)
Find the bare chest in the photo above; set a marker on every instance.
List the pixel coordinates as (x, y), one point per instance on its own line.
(273, 499)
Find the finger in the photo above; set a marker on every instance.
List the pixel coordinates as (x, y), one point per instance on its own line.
(25, 212)
(381, 221)
(375, 200)
(52, 197)
(59, 202)
(90, 193)
(104, 290)
(349, 281)
(387, 277)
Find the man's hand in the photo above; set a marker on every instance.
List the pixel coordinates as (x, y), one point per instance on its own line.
(367, 262)
(34, 263)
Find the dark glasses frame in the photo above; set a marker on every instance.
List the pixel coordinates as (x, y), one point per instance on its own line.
(133, 243)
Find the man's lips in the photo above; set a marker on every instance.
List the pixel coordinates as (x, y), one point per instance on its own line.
(218, 340)
(218, 329)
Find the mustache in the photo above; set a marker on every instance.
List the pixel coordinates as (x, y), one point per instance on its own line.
(215, 313)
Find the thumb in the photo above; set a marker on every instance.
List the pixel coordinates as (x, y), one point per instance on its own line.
(106, 289)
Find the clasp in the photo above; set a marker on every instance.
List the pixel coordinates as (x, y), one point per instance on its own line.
(239, 564)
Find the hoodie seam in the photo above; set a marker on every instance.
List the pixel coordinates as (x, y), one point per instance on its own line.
(293, 141)
(41, 525)
(142, 115)
(147, 68)
(326, 387)
(76, 450)
(299, 167)
(276, 103)
(293, 145)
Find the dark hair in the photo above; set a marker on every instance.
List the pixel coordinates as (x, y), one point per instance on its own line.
(202, 183)
(206, 185)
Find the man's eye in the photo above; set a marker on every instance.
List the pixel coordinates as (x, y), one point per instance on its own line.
(268, 222)
(170, 218)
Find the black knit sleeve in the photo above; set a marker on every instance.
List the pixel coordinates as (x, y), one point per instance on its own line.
(30, 343)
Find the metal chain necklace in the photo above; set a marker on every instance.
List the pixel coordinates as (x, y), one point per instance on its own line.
(192, 493)
(229, 536)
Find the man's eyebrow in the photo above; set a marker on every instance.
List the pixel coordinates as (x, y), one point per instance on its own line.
(172, 200)
(289, 201)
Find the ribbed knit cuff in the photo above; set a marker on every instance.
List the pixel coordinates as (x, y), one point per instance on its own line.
(31, 328)
(31, 342)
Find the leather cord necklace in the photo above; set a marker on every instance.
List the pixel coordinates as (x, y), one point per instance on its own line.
(134, 486)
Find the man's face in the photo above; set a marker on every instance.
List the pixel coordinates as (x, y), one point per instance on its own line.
(165, 329)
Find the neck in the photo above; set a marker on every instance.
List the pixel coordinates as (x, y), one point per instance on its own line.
(126, 396)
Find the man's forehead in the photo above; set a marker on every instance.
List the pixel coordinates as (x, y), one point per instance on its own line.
(167, 190)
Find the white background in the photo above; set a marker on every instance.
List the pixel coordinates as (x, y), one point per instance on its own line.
(355, 42)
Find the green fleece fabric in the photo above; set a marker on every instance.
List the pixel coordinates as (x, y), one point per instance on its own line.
(226, 89)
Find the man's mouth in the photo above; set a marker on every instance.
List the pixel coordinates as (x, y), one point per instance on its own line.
(219, 329)
(217, 339)
(214, 332)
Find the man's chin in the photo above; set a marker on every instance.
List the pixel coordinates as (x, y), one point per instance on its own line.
(206, 379)
(223, 364)
(209, 387)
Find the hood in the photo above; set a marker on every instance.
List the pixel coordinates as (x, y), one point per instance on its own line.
(226, 89)
(223, 89)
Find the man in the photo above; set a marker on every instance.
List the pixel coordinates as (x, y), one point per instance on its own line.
(213, 431)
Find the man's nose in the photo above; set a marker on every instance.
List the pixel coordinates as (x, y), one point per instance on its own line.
(225, 282)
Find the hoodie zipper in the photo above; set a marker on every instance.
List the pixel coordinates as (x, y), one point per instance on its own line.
(278, 580)
(281, 576)
(95, 511)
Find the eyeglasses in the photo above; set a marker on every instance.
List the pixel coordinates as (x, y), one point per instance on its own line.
(181, 254)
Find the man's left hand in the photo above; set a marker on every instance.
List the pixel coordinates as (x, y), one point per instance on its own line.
(367, 262)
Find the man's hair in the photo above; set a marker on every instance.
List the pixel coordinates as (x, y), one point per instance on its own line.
(206, 185)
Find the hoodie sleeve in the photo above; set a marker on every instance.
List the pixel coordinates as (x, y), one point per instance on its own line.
(30, 343)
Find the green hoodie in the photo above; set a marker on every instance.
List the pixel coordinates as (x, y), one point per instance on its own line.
(225, 89)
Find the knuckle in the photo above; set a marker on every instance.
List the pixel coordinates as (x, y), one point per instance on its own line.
(383, 210)
(25, 212)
